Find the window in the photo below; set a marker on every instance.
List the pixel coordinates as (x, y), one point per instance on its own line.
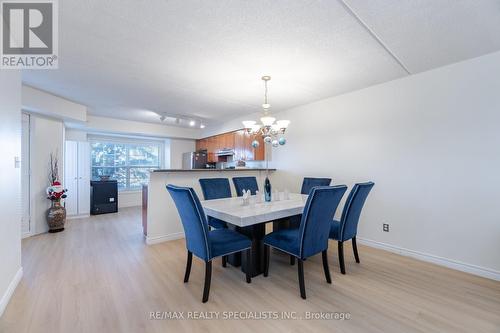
(128, 163)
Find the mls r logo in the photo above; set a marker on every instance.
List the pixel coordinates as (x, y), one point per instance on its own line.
(27, 27)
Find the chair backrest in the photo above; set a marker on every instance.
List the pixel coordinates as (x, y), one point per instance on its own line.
(352, 210)
(308, 183)
(245, 183)
(193, 220)
(215, 188)
(317, 218)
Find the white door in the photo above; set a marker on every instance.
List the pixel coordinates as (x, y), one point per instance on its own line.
(83, 178)
(71, 177)
(25, 176)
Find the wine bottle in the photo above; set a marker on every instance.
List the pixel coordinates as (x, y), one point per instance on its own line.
(267, 190)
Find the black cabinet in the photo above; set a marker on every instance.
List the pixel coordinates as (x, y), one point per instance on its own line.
(103, 197)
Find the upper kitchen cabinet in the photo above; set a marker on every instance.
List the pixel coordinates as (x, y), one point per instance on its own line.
(202, 144)
(227, 140)
(254, 154)
(259, 153)
(239, 141)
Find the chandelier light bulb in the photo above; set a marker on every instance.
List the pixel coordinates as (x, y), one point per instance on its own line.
(267, 121)
(283, 123)
(275, 128)
(255, 128)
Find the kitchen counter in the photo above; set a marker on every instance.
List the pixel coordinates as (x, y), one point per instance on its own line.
(211, 170)
(162, 222)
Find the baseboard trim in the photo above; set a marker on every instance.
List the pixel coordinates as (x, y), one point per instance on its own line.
(10, 290)
(26, 235)
(449, 263)
(165, 238)
(74, 217)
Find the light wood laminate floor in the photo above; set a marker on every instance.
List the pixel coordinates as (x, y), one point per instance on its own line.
(99, 276)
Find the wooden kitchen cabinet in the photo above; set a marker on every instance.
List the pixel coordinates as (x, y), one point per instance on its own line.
(227, 140)
(201, 144)
(239, 145)
(259, 153)
(240, 141)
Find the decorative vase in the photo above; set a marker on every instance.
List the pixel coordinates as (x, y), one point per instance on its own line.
(267, 190)
(56, 217)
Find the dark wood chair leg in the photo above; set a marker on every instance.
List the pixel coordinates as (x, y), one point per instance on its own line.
(292, 260)
(249, 266)
(341, 257)
(188, 266)
(266, 260)
(224, 261)
(325, 266)
(355, 249)
(208, 277)
(301, 278)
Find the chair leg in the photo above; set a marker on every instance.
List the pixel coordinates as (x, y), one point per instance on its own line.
(355, 249)
(325, 266)
(292, 260)
(224, 261)
(266, 260)
(301, 278)
(208, 277)
(341, 257)
(188, 266)
(249, 266)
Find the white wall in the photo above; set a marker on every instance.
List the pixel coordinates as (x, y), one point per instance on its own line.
(75, 135)
(10, 189)
(177, 148)
(128, 127)
(431, 144)
(42, 102)
(47, 135)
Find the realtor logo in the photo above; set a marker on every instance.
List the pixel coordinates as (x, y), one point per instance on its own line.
(29, 38)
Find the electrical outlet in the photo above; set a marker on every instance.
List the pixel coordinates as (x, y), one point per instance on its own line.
(385, 227)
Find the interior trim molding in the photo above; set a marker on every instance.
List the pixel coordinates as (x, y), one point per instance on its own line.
(74, 217)
(10, 290)
(165, 238)
(441, 261)
(374, 36)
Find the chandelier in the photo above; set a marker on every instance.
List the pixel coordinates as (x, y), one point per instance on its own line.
(272, 130)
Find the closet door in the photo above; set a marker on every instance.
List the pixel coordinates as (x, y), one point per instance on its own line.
(71, 177)
(83, 178)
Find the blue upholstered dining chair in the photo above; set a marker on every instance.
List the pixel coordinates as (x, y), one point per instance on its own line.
(312, 235)
(308, 183)
(215, 188)
(245, 183)
(203, 243)
(347, 227)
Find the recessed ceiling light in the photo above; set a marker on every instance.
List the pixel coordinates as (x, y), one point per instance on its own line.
(202, 126)
(192, 123)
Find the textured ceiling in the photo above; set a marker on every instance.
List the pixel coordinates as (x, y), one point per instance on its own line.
(130, 58)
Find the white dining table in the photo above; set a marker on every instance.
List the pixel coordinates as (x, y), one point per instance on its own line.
(232, 210)
(250, 219)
